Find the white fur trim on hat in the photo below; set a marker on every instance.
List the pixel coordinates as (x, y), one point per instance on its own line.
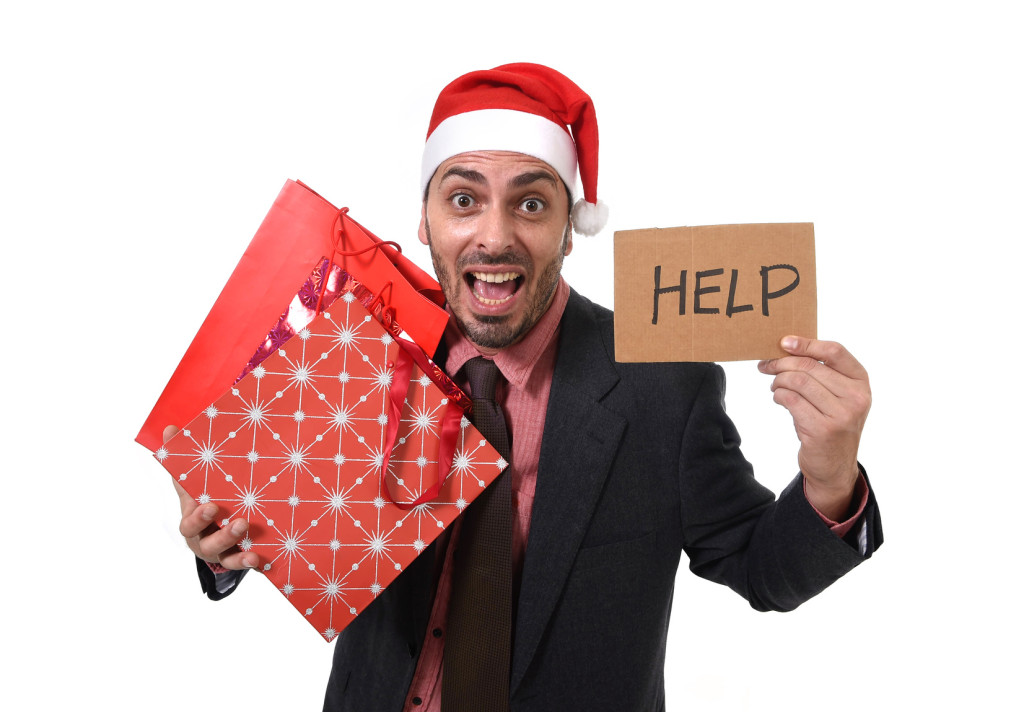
(500, 130)
(589, 218)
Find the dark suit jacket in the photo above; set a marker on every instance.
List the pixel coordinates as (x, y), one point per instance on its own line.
(638, 463)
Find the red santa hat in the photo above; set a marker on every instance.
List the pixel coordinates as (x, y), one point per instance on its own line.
(526, 108)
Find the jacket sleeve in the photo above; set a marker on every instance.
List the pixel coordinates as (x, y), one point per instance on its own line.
(217, 586)
(775, 553)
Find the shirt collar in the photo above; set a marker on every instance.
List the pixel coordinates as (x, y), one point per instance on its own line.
(517, 361)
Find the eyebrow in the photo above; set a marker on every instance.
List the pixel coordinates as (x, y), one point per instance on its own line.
(470, 175)
(524, 179)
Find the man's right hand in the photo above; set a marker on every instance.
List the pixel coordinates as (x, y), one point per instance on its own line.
(209, 542)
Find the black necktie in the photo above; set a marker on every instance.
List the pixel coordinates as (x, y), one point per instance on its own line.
(478, 644)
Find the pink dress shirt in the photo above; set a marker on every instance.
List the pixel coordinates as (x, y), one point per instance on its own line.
(528, 366)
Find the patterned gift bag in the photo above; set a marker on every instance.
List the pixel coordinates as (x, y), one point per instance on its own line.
(340, 480)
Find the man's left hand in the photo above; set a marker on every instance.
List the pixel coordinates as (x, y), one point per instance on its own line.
(826, 391)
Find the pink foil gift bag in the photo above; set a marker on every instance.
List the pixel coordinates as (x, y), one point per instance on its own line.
(343, 445)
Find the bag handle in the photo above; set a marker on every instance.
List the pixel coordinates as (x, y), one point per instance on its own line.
(451, 422)
(338, 236)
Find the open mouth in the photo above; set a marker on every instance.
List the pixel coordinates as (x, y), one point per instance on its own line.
(494, 288)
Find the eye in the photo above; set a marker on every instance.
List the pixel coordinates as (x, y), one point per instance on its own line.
(532, 205)
(461, 200)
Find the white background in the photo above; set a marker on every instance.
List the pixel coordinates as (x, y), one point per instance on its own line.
(142, 145)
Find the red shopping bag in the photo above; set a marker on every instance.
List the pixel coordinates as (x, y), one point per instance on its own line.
(343, 445)
(300, 230)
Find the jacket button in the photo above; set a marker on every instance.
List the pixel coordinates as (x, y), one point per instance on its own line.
(417, 701)
(437, 632)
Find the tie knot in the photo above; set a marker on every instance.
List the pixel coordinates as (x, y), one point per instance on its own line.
(483, 377)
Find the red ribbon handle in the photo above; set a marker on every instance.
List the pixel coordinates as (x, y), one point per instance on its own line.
(338, 236)
(451, 422)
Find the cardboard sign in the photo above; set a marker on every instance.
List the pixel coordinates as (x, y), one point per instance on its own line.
(713, 293)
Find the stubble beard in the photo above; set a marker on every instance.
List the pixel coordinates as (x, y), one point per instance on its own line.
(498, 332)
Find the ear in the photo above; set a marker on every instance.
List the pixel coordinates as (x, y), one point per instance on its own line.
(567, 240)
(422, 232)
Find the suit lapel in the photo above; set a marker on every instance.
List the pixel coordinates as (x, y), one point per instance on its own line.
(579, 444)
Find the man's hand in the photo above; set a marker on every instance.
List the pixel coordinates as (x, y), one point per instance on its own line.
(826, 391)
(216, 545)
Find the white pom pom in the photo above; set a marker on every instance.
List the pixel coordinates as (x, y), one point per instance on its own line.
(589, 218)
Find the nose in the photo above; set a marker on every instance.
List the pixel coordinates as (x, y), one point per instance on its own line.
(496, 231)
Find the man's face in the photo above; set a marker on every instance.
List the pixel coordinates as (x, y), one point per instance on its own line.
(497, 224)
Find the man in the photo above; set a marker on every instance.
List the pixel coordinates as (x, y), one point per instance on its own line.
(607, 483)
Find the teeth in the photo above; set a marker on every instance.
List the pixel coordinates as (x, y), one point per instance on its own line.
(492, 277)
(493, 302)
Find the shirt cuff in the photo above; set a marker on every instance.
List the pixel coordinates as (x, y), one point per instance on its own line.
(860, 495)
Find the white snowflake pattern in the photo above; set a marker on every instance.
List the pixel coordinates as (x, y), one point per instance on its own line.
(382, 377)
(419, 545)
(461, 463)
(291, 543)
(337, 501)
(423, 420)
(254, 414)
(300, 375)
(342, 417)
(211, 412)
(288, 589)
(332, 589)
(298, 416)
(250, 501)
(377, 545)
(304, 334)
(259, 372)
(252, 456)
(207, 454)
(379, 502)
(296, 458)
(345, 336)
(245, 544)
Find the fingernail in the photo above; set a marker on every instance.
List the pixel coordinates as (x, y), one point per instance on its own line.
(238, 528)
(789, 343)
(208, 512)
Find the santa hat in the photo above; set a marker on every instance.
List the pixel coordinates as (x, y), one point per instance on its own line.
(526, 108)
